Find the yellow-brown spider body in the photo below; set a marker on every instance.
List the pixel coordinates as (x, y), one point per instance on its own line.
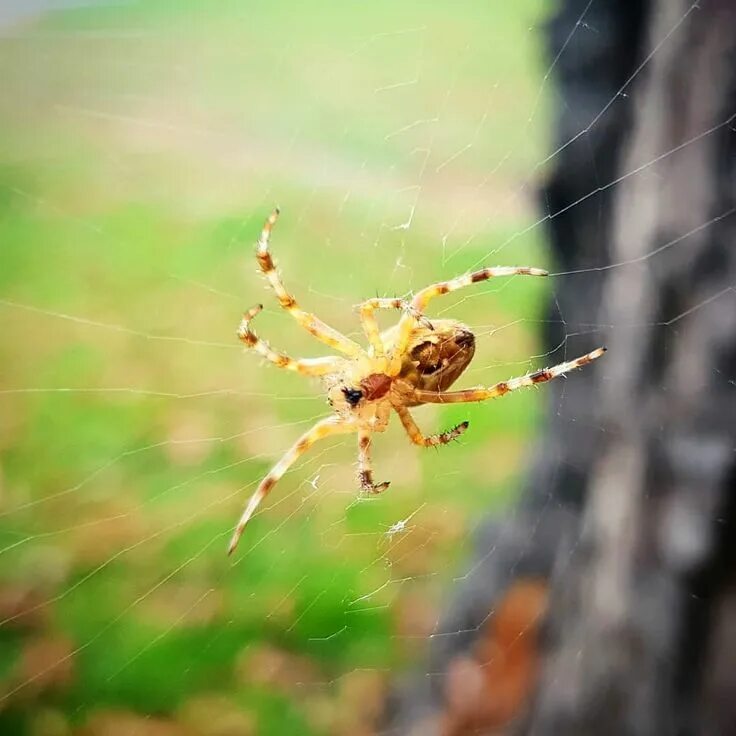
(436, 356)
(413, 363)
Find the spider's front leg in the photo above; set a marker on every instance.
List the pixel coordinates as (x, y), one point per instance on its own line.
(422, 298)
(367, 311)
(315, 326)
(432, 440)
(324, 428)
(365, 471)
(503, 387)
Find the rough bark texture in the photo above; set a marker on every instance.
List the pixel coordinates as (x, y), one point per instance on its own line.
(629, 515)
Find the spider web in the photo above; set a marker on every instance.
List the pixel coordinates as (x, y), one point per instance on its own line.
(144, 145)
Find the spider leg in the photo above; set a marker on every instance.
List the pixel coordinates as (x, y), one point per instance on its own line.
(432, 440)
(365, 472)
(324, 428)
(309, 322)
(504, 387)
(423, 297)
(305, 366)
(367, 311)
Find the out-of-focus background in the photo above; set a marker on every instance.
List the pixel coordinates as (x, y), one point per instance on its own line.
(142, 144)
(566, 567)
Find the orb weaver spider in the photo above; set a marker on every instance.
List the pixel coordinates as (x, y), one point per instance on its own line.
(412, 363)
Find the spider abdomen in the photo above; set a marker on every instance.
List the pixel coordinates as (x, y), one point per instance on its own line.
(437, 357)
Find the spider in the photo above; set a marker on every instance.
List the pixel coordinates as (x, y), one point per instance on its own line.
(415, 362)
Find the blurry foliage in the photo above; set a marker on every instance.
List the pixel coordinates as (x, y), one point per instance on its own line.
(142, 146)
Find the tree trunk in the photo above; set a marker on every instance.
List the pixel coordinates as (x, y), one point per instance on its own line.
(637, 624)
(627, 528)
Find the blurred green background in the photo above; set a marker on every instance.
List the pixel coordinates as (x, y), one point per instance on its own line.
(142, 145)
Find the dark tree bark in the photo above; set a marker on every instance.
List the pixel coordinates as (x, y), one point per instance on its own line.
(628, 520)
(631, 616)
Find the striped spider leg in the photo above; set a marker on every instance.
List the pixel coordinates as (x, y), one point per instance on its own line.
(367, 311)
(315, 326)
(365, 469)
(327, 427)
(305, 366)
(420, 301)
(432, 440)
(504, 387)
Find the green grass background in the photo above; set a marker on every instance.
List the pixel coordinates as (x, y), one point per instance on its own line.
(142, 145)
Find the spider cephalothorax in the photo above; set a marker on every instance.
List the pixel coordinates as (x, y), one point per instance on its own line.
(410, 364)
